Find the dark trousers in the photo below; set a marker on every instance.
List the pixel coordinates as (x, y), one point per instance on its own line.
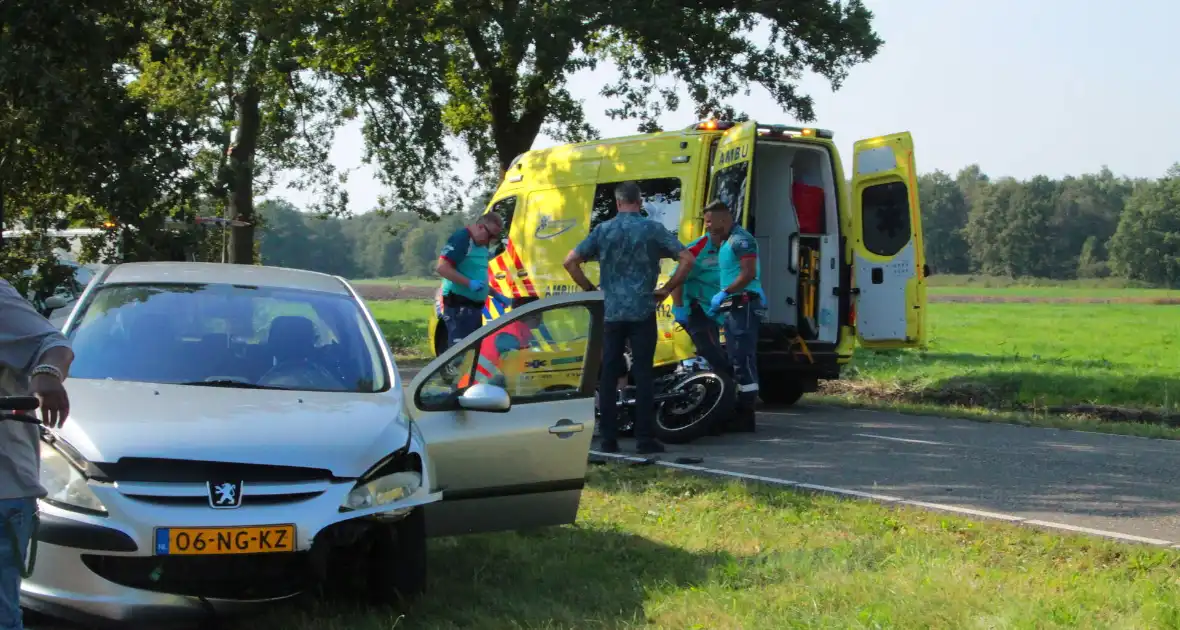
(706, 338)
(642, 336)
(461, 319)
(741, 339)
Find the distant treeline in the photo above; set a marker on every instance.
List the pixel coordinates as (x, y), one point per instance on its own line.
(1092, 226)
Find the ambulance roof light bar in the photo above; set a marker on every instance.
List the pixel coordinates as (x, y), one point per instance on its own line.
(712, 125)
(764, 130)
(790, 130)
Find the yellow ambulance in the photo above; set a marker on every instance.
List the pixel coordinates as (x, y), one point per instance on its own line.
(842, 259)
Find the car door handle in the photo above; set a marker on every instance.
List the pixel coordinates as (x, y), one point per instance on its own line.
(566, 428)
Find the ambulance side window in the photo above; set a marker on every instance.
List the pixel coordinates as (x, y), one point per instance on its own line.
(885, 218)
(661, 202)
(506, 208)
(729, 185)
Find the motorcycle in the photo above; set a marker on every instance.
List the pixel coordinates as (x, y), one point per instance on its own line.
(691, 400)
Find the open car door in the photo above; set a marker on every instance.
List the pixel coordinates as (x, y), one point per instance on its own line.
(507, 424)
(888, 258)
(733, 170)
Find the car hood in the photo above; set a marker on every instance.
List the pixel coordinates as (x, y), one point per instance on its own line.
(345, 433)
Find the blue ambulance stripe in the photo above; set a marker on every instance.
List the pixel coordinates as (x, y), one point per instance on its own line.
(545, 334)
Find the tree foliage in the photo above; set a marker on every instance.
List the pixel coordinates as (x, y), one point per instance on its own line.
(496, 74)
(75, 147)
(1146, 245)
(242, 73)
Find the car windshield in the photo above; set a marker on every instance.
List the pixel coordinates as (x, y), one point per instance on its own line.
(221, 335)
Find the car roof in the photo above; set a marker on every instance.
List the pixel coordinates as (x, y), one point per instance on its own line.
(224, 273)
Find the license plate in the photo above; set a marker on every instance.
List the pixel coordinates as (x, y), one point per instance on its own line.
(199, 541)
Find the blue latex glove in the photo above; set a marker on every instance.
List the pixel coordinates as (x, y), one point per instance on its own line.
(715, 303)
(680, 314)
(476, 286)
(762, 296)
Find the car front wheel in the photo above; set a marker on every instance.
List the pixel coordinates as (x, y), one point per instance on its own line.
(397, 564)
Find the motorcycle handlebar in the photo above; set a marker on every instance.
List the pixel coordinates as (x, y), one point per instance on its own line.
(11, 408)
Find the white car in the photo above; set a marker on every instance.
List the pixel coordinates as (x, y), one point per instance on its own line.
(235, 427)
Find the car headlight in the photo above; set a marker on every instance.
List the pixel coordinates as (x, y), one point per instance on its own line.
(66, 485)
(383, 490)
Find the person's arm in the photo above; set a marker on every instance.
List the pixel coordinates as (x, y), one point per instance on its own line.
(586, 250)
(673, 248)
(695, 249)
(747, 252)
(49, 386)
(30, 344)
(453, 253)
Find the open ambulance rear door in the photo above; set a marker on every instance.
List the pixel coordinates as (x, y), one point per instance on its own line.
(888, 260)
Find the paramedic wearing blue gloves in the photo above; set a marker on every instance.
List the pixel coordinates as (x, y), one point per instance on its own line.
(740, 278)
(692, 299)
(463, 266)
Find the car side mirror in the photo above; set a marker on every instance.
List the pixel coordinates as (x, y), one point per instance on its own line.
(484, 397)
(54, 302)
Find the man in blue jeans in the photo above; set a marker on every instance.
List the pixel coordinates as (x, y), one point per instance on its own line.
(34, 360)
(741, 285)
(463, 266)
(628, 249)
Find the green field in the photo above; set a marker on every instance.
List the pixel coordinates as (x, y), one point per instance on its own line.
(1041, 355)
(999, 282)
(654, 548)
(404, 324)
(400, 281)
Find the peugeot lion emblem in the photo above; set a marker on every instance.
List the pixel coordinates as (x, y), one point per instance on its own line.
(224, 495)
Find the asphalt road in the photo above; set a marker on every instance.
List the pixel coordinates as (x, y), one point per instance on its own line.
(1120, 484)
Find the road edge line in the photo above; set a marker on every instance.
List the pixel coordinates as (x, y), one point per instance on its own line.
(891, 500)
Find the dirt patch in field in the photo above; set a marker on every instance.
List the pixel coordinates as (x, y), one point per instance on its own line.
(375, 292)
(968, 393)
(1038, 299)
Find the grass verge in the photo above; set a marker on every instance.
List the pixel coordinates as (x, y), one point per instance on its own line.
(1071, 421)
(654, 548)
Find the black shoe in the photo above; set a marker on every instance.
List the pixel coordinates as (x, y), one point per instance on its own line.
(649, 446)
(608, 446)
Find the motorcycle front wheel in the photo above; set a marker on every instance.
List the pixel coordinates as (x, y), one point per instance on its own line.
(706, 398)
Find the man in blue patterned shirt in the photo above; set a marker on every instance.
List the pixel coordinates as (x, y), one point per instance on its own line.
(628, 249)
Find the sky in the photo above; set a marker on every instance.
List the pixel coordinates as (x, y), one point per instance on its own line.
(1020, 87)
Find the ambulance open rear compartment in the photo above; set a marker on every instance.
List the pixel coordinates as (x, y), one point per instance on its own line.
(793, 216)
(784, 191)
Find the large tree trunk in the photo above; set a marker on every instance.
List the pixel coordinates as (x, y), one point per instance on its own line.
(241, 164)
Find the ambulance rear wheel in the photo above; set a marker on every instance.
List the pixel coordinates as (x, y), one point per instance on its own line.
(783, 392)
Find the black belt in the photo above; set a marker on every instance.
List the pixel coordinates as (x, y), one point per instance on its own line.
(456, 300)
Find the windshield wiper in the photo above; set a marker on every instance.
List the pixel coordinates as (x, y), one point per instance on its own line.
(230, 383)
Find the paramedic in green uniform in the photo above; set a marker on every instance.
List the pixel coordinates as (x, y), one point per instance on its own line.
(463, 266)
(690, 300)
(741, 284)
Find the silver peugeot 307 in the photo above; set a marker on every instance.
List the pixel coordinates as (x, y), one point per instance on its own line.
(235, 429)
